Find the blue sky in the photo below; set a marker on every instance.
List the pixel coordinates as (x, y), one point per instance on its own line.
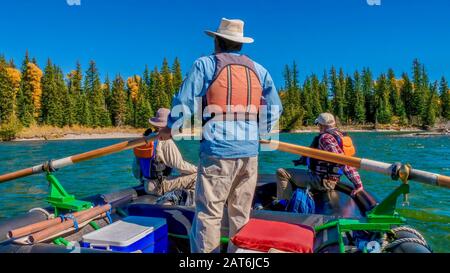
(122, 36)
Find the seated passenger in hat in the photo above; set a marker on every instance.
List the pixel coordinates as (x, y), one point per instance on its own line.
(154, 163)
(320, 175)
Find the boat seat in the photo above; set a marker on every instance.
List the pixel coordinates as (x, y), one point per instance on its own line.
(263, 235)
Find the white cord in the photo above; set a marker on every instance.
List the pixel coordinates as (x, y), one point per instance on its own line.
(49, 215)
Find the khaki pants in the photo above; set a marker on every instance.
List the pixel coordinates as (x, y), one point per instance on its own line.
(172, 183)
(222, 181)
(186, 182)
(300, 178)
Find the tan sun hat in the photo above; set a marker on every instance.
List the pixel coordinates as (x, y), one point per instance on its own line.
(160, 119)
(326, 119)
(231, 29)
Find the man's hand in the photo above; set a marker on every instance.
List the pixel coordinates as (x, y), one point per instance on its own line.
(356, 191)
(165, 133)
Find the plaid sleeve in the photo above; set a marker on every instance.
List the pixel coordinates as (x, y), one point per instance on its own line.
(328, 143)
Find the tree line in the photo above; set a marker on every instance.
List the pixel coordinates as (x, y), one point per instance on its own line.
(30, 95)
(360, 98)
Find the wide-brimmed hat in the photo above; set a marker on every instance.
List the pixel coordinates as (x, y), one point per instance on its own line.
(326, 119)
(231, 29)
(160, 119)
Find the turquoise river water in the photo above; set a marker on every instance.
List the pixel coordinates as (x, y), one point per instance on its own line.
(429, 209)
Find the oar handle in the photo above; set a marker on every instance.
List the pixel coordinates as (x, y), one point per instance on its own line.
(63, 162)
(360, 163)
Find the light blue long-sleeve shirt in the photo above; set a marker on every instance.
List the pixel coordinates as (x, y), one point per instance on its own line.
(229, 139)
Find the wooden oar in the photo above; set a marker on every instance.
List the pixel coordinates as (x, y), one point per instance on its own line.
(360, 163)
(55, 229)
(28, 229)
(63, 162)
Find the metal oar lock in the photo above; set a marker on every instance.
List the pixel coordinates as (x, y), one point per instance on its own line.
(402, 171)
(58, 197)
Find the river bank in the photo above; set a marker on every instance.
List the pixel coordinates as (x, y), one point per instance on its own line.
(34, 133)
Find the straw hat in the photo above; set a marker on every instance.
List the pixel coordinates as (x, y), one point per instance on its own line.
(326, 119)
(160, 119)
(231, 29)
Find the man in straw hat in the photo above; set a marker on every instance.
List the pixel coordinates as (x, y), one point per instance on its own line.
(234, 93)
(154, 163)
(321, 175)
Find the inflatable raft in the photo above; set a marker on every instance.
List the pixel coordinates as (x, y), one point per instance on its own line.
(129, 220)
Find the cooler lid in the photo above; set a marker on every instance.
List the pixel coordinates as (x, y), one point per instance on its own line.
(124, 232)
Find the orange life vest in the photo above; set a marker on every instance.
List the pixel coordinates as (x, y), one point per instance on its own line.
(347, 145)
(328, 168)
(235, 88)
(144, 151)
(150, 166)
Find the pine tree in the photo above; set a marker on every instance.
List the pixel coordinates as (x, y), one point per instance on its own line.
(118, 101)
(418, 96)
(369, 94)
(350, 100)
(167, 82)
(67, 100)
(85, 118)
(94, 92)
(406, 92)
(315, 97)
(306, 98)
(431, 108)
(359, 102)
(143, 109)
(177, 75)
(76, 92)
(287, 74)
(106, 87)
(293, 112)
(395, 99)
(324, 93)
(147, 80)
(52, 109)
(29, 100)
(294, 75)
(337, 89)
(158, 97)
(129, 111)
(445, 99)
(383, 112)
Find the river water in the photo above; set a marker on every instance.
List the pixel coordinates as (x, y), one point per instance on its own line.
(429, 209)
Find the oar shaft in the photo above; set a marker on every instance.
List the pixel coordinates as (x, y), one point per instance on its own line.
(360, 163)
(314, 153)
(63, 162)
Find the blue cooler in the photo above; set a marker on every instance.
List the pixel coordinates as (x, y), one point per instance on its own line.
(131, 234)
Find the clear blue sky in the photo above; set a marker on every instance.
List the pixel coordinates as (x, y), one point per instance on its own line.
(122, 36)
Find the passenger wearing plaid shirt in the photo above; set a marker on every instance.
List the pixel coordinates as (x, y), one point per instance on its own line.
(321, 175)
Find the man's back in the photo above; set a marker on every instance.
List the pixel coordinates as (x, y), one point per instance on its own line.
(230, 138)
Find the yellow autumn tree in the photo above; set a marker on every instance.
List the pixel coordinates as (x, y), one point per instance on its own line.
(35, 75)
(14, 76)
(133, 86)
